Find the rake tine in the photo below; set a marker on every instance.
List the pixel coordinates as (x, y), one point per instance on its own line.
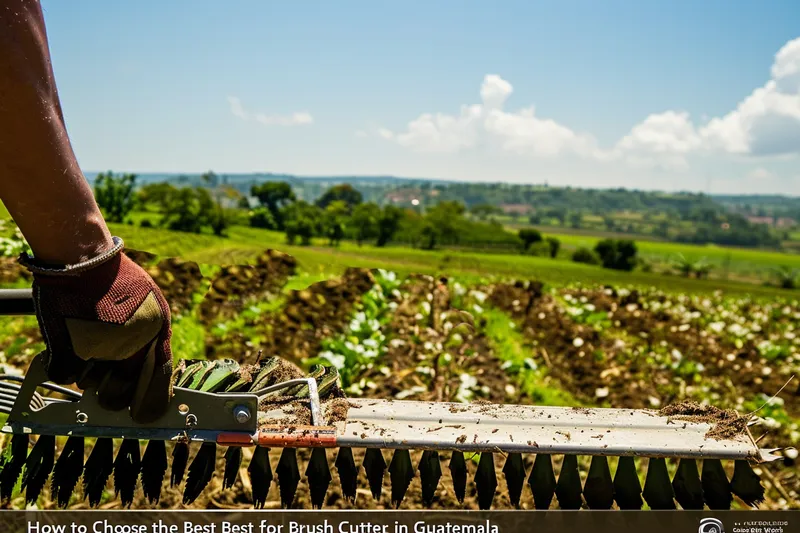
(127, 466)
(746, 484)
(288, 476)
(658, 491)
(38, 466)
(180, 458)
(200, 472)
(687, 486)
(627, 488)
(319, 476)
(260, 473)
(98, 468)
(542, 481)
(374, 465)
(430, 472)
(233, 460)
(154, 468)
(599, 488)
(458, 472)
(716, 487)
(514, 472)
(401, 472)
(348, 473)
(67, 471)
(11, 463)
(486, 481)
(568, 488)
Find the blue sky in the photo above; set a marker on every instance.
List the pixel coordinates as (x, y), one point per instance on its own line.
(677, 94)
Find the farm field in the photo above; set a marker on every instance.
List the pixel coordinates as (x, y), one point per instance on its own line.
(585, 338)
(738, 263)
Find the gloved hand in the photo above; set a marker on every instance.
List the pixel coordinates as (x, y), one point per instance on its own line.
(106, 325)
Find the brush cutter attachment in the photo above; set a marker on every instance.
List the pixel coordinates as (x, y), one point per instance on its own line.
(220, 403)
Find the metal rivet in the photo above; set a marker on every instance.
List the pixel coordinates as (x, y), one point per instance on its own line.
(82, 418)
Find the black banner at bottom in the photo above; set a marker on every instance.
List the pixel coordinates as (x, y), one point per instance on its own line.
(399, 521)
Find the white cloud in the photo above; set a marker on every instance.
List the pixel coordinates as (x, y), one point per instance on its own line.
(295, 119)
(299, 118)
(236, 107)
(520, 132)
(760, 174)
(765, 123)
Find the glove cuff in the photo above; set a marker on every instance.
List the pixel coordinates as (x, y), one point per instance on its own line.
(38, 267)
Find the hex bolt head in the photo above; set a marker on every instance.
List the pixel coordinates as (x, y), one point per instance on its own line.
(242, 414)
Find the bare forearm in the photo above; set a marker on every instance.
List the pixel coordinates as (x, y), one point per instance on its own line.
(40, 181)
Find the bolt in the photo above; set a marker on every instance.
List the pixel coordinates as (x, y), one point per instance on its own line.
(191, 420)
(82, 418)
(241, 414)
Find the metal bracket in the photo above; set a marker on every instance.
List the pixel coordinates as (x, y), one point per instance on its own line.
(191, 414)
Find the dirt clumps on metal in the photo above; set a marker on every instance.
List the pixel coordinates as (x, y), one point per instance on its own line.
(725, 423)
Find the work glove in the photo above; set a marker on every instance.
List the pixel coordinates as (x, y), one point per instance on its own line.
(106, 326)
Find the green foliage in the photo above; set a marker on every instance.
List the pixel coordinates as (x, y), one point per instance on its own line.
(585, 255)
(333, 221)
(539, 249)
(275, 196)
(261, 217)
(340, 193)
(617, 254)
(555, 246)
(114, 195)
(388, 223)
(191, 209)
(528, 236)
(689, 268)
(786, 277)
(157, 195)
(483, 211)
(145, 223)
(364, 342)
(365, 222)
(301, 220)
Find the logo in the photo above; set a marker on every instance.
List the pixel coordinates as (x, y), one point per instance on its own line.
(710, 525)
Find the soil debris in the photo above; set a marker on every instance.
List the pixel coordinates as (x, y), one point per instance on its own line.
(726, 423)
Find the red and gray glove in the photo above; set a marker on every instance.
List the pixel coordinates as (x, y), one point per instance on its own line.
(106, 325)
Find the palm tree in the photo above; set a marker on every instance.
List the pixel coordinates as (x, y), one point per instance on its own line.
(786, 276)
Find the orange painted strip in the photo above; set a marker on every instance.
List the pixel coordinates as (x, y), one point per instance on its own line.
(235, 439)
(297, 437)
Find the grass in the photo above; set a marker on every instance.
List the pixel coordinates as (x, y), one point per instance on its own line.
(509, 345)
(746, 263)
(319, 261)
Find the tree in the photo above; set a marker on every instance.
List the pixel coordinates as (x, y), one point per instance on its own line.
(158, 195)
(786, 277)
(585, 255)
(441, 224)
(191, 209)
(365, 222)
(345, 193)
(334, 221)
(261, 217)
(617, 254)
(529, 236)
(555, 246)
(114, 195)
(209, 179)
(388, 223)
(302, 220)
(275, 196)
(482, 211)
(575, 220)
